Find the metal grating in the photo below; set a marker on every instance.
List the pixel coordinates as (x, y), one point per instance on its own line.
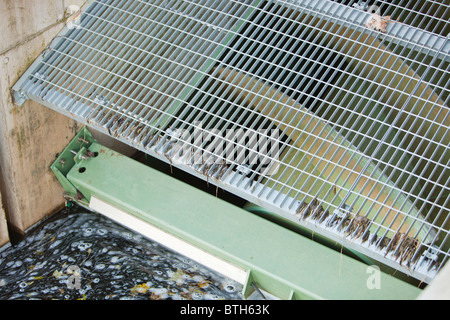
(324, 112)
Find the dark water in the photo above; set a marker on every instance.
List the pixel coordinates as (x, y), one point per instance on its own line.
(76, 254)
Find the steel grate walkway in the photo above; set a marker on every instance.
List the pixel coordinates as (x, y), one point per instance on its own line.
(323, 112)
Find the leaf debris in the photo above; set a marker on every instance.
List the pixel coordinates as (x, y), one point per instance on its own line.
(378, 22)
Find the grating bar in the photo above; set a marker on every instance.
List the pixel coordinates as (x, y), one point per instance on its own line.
(357, 15)
(187, 123)
(300, 106)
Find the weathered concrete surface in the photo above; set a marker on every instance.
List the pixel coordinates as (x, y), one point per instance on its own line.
(439, 288)
(30, 138)
(3, 226)
(31, 135)
(23, 18)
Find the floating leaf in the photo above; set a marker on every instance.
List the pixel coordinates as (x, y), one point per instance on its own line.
(179, 276)
(204, 283)
(83, 297)
(139, 288)
(154, 296)
(57, 274)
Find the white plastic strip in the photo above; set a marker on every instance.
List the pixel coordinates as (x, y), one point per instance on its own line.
(172, 242)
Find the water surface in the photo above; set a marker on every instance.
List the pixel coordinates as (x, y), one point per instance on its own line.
(77, 254)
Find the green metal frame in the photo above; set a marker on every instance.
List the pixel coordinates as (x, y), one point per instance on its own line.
(68, 158)
(280, 261)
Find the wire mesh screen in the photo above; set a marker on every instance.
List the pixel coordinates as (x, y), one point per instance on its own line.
(332, 114)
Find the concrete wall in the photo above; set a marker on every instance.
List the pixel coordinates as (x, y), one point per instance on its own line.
(4, 238)
(31, 135)
(439, 288)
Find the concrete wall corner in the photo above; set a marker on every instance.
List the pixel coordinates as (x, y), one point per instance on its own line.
(30, 135)
(4, 238)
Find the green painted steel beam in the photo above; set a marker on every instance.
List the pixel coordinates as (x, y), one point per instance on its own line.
(278, 260)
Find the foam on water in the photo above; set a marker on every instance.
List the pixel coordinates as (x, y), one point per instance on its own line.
(108, 261)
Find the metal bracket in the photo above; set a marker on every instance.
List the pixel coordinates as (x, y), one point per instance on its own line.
(72, 155)
(19, 97)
